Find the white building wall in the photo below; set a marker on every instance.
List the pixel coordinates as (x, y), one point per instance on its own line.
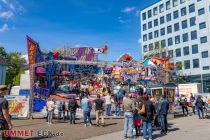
(200, 33)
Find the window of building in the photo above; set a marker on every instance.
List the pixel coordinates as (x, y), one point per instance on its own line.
(177, 39)
(195, 63)
(183, 11)
(185, 37)
(203, 39)
(163, 43)
(205, 54)
(182, 1)
(184, 24)
(168, 17)
(163, 54)
(176, 27)
(145, 37)
(192, 21)
(162, 20)
(205, 67)
(145, 48)
(178, 52)
(175, 3)
(150, 36)
(191, 8)
(168, 5)
(187, 64)
(161, 8)
(193, 35)
(150, 47)
(169, 29)
(199, 0)
(170, 41)
(176, 14)
(186, 50)
(194, 49)
(149, 13)
(150, 25)
(171, 53)
(156, 34)
(155, 11)
(202, 25)
(201, 11)
(144, 27)
(144, 16)
(162, 31)
(179, 65)
(155, 22)
(157, 45)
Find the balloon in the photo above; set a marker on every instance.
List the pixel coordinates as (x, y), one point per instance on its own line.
(127, 56)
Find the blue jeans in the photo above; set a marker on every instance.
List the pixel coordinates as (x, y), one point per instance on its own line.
(117, 109)
(163, 122)
(87, 116)
(128, 122)
(108, 109)
(147, 126)
(200, 110)
(72, 117)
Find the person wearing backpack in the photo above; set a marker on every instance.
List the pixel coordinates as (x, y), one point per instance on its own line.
(129, 108)
(72, 107)
(147, 113)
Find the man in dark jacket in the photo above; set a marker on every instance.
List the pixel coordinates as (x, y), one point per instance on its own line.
(147, 117)
(163, 112)
(73, 105)
(199, 103)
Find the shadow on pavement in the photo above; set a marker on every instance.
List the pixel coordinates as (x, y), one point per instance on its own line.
(155, 136)
(33, 138)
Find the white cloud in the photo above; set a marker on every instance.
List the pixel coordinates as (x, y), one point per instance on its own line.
(128, 9)
(140, 41)
(4, 28)
(10, 5)
(7, 14)
(121, 20)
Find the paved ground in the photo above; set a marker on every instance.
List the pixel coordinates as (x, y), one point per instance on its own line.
(185, 128)
(71, 132)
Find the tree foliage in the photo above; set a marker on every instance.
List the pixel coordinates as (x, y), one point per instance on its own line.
(15, 68)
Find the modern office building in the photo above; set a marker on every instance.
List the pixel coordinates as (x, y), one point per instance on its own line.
(3, 66)
(179, 29)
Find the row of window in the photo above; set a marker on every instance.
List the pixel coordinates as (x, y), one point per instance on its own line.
(177, 39)
(178, 52)
(186, 65)
(160, 9)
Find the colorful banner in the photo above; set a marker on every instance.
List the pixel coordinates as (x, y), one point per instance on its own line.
(84, 54)
(32, 47)
(18, 106)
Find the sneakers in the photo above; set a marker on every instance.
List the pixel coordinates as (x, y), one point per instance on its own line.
(85, 125)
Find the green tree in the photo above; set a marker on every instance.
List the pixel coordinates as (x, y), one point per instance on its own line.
(3, 54)
(15, 69)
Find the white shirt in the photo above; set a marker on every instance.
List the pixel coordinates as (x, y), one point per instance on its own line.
(107, 99)
(50, 105)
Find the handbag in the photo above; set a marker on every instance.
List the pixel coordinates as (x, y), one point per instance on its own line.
(142, 111)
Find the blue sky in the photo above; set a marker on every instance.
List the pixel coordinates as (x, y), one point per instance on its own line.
(54, 23)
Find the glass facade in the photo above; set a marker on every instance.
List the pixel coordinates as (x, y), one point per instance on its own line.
(176, 14)
(161, 8)
(170, 41)
(184, 24)
(162, 31)
(195, 63)
(202, 25)
(150, 47)
(155, 11)
(150, 36)
(176, 27)
(149, 13)
(168, 5)
(150, 25)
(201, 11)
(205, 54)
(157, 45)
(177, 39)
(162, 20)
(203, 39)
(156, 34)
(186, 51)
(144, 27)
(145, 37)
(185, 37)
(205, 67)
(193, 35)
(191, 8)
(175, 3)
(171, 53)
(194, 49)
(168, 17)
(187, 64)
(155, 22)
(163, 43)
(144, 16)
(183, 11)
(178, 52)
(169, 29)
(192, 21)
(145, 48)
